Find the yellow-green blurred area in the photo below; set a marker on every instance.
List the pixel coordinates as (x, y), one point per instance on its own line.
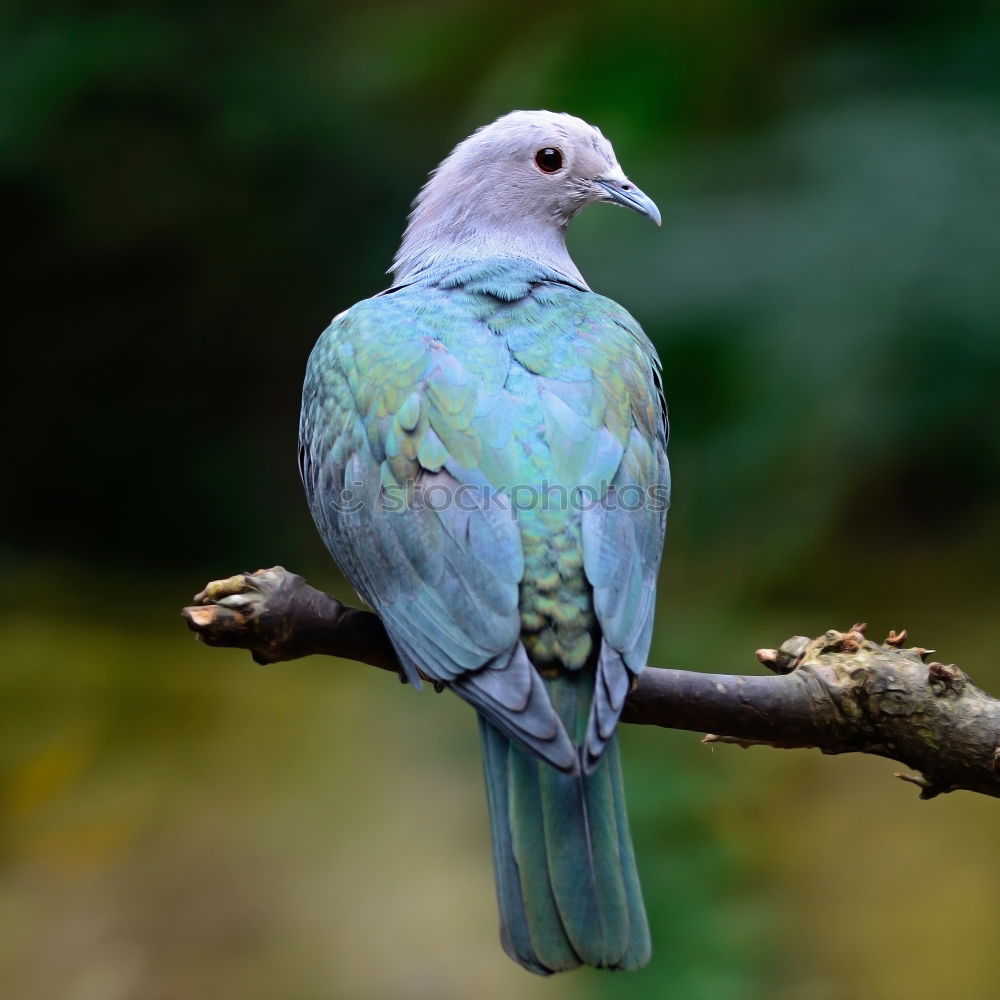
(190, 191)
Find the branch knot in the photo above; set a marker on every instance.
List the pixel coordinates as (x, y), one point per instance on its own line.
(945, 678)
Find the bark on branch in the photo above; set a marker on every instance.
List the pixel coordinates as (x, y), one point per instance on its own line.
(840, 693)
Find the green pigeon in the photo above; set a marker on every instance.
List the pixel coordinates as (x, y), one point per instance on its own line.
(483, 447)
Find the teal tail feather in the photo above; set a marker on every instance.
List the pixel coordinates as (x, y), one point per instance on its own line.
(565, 871)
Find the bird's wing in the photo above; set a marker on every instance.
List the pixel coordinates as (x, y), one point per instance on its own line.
(607, 432)
(623, 535)
(392, 465)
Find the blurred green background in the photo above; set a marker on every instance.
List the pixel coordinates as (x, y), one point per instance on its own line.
(190, 191)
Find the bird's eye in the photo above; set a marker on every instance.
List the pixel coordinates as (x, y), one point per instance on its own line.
(548, 160)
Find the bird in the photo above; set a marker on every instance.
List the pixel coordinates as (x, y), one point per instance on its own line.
(483, 450)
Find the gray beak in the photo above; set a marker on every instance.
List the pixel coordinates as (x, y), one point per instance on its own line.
(624, 192)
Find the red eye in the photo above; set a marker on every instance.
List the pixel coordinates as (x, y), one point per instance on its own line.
(548, 160)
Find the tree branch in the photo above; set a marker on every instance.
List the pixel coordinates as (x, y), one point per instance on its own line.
(839, 693)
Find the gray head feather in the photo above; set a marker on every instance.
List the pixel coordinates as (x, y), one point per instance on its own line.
(491, 198)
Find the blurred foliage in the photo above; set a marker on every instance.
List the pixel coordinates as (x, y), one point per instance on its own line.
(192, 190)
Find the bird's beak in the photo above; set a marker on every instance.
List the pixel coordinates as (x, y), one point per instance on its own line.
(621, 191)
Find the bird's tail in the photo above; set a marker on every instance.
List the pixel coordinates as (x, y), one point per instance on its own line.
(566, 880)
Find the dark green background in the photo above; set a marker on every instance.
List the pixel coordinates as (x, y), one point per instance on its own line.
(189, 192)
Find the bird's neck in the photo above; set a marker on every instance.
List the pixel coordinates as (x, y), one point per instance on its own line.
(432, 242)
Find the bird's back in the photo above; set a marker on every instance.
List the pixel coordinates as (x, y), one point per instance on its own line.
(513, 384)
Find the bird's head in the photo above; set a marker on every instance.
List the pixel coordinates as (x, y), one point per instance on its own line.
(513, 186)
